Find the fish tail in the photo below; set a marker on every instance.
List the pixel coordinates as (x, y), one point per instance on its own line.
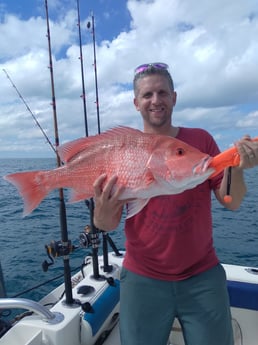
(29, 187)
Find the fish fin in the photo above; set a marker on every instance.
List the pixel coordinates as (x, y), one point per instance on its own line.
(78, 195)
(68, 150)
(71, 149)
(149, 178)
(156, 164)
(29, 188)
(135, 206)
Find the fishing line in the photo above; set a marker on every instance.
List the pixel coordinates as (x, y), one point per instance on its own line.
(43, 283)
(30, 111)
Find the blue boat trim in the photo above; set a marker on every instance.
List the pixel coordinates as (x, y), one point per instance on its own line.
(103, 307)
(243, 295)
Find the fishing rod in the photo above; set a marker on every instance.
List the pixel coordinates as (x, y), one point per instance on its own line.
(89, 25)
(95, 70)
(89, 203)
(62, 210)
(106, 238)
(83, 95)
(30, 111)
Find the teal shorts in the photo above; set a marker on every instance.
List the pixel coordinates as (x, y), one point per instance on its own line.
(148, 308)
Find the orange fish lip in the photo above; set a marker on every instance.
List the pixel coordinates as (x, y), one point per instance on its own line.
(201, 167)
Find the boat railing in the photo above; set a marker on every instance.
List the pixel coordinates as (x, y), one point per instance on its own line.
(23, 303)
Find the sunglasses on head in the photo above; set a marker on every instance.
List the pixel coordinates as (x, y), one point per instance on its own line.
(155, 65)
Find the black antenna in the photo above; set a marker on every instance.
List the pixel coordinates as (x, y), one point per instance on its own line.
(62, 211)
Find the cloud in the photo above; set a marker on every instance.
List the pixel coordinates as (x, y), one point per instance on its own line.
(211, 49)
(250, 121)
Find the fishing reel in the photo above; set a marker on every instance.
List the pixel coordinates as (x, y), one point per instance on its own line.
(87, 238)
(56, 249)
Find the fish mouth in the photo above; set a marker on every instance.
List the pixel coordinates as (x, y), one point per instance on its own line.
(201, 167)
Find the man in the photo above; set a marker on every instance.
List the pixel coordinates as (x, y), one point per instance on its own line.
(171, 268)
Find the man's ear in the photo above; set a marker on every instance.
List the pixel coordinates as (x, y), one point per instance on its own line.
(136, 103)
(174, 98)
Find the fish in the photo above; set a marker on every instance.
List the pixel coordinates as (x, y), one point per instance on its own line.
(146, 165)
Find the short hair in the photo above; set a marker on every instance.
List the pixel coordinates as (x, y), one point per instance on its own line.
(151, 70)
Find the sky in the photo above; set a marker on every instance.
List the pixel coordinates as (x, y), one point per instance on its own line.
(211, 50)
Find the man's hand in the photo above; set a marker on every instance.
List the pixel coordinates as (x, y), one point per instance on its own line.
(108, 207)
(248, 151)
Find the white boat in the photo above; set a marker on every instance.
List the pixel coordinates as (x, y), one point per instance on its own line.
(93, 316)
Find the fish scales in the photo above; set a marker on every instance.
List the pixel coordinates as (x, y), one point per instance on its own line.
(146, 165)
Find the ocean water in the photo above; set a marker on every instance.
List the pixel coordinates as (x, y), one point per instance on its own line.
(23, 240)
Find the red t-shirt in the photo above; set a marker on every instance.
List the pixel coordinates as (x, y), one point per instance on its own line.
(171, 238)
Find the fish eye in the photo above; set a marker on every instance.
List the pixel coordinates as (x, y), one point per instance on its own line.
(180, 151)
